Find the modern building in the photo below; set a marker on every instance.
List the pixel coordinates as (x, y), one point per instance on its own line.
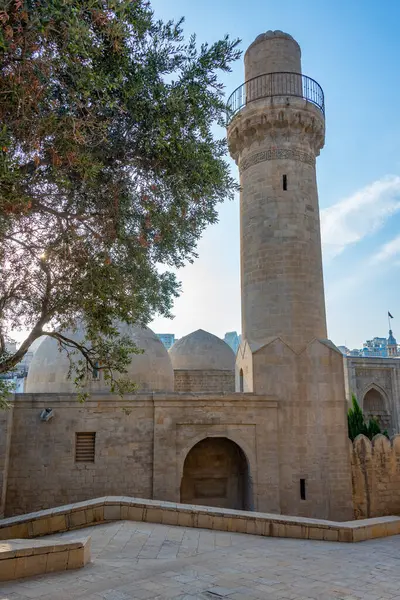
(18, 375)
(233, 340)
(168, 339)
(377, 347)
(344, 350)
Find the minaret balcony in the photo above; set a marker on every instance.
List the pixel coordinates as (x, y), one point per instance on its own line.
(270, 85)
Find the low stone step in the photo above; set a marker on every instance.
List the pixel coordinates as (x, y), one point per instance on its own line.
(28, 557)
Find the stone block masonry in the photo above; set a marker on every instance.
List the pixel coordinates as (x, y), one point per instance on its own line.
(6, 424)
(376, 476)
(141, 444)
(275, 134)
(204, 380)
(26, 558)
(114, 508)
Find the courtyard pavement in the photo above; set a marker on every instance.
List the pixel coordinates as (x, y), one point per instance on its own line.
(142, 561)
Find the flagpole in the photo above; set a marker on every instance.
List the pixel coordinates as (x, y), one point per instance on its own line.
(389, 319)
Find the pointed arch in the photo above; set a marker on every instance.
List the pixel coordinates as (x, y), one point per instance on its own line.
(375, 404)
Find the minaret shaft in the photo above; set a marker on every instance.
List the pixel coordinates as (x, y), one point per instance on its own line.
(275, 139)
(281, 265)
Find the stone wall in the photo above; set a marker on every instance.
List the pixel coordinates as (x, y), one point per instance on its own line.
(376, 476)
(42, 469)
(248, 420)
(204, 381)
(376, 385)
(6, 422)
(141, 444)
(313, 442)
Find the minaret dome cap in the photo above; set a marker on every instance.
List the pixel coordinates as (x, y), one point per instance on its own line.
(272, 35)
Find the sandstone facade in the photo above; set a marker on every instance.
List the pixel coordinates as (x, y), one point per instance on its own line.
(275, 139)
(141, 445)
(376, 476)
(376, 384)
(211, 380)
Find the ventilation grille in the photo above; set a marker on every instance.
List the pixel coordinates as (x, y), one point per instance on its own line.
(85, 447)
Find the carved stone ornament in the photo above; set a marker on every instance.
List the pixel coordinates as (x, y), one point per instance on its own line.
(276, 154)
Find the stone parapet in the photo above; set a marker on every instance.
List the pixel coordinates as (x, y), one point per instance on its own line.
(116, 508)
(277, 122)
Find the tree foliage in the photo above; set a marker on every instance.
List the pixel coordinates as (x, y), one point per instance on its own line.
(108, 167)
(357, 424)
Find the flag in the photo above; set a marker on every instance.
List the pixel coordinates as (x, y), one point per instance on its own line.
(390, 316)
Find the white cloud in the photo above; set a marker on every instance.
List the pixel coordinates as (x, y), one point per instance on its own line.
(353, 218)
(387, 251)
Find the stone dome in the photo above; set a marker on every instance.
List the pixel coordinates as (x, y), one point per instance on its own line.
(151, 371)
(203, 351)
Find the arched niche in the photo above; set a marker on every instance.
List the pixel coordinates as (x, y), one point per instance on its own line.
(375, 405)
(216, 473)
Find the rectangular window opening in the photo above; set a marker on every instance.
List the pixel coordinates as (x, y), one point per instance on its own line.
(284, 182)
(85, 443)
(302, 489)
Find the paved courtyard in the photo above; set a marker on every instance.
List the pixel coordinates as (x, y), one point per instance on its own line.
(140, 561)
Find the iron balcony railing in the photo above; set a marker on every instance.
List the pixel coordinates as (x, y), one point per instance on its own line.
(275, 84)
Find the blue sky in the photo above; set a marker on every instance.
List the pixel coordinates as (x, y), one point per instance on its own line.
(352, 49)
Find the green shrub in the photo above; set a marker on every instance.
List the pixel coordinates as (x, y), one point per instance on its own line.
(357, 424)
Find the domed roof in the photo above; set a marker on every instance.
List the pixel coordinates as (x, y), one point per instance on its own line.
(391, 339)
(272, 35)
(201, 350)
(151, 371)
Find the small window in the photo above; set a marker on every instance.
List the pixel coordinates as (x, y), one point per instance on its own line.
(85, 443)
(284, 182)
(241, 384)
(302, 489)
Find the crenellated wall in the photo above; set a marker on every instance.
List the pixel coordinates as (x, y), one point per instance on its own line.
(376, 476)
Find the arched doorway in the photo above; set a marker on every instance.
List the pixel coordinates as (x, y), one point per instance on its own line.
(216, 473)
(374, 405)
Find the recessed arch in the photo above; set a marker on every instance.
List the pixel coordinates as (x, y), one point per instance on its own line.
(375, 405)
(216, 472)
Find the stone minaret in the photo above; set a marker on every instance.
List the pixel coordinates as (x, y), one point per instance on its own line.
(274, 139)
(275, 132)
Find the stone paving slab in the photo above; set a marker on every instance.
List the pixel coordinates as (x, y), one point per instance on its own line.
(145, 561)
